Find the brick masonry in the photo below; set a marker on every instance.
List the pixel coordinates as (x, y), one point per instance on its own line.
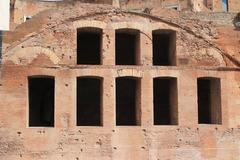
(49, 48)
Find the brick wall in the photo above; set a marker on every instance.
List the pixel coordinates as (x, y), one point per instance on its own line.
(50, 50)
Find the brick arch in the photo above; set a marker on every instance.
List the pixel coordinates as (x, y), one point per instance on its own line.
(213, 75)
(168, 76)
(86, 73)
(26, 55)
(129, 73)
(162, 73)
(91, 76)
(129, 76)
(89, 24)
(208, 77)
(41, 76)
(159, 26)
(129, 25)
(163, 29)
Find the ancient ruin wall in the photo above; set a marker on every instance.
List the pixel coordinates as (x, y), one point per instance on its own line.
(49, 48)
(21, 10)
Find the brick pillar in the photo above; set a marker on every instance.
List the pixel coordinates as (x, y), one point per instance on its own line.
(147, 100)
(146, 48)
(187, 99)
(108, 47)
(108, 110)
(65, 102)
(226, 102)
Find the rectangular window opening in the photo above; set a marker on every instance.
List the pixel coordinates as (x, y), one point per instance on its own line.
(41, 101)
(164, 48)
(209, 101)
(127, 47)
(89, 101)
(165, 101)
(89, 42)
(128, 101)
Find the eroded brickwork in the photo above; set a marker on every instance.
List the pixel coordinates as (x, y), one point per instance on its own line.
(195, 5)
(46, 45)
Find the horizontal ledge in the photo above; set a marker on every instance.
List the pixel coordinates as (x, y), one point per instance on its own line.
(138, 67)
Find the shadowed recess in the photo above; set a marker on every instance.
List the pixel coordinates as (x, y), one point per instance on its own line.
(165, 101)
(164, 47)
(127, 47)
(89, 42)
(89, 93)
(41, 101)
(127, 101)
(209, 100)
